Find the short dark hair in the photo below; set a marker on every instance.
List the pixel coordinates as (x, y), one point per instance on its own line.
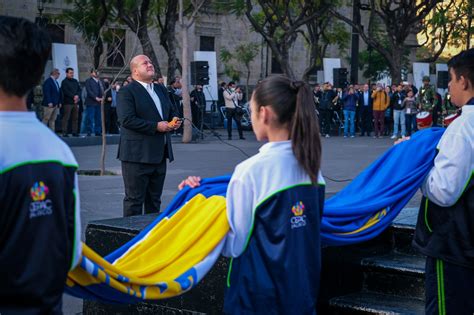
(69, 68)
(231, 83)
(24, 50)
(463, 64)
(223, 84)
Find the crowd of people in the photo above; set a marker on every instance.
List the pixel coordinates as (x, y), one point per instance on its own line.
(384, 110)
(72, 108)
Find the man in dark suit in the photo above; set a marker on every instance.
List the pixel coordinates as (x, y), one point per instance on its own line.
(144, 111)
(365, 105)
(51, 99)
(94, 95)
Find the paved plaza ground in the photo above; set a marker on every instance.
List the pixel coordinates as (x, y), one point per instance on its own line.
(101, 196)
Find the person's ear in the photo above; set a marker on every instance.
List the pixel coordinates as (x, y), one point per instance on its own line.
(464, 82)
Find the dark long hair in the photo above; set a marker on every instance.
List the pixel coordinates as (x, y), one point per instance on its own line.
(292, 102)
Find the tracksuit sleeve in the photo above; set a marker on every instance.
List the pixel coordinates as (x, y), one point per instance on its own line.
(447, 179)
(240, 198)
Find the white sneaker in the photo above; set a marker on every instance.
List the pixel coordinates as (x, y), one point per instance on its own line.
(327, 136)
(393, 137)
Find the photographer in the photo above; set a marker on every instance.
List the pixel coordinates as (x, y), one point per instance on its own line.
(232, 96)
(325, 107)
(198, 105)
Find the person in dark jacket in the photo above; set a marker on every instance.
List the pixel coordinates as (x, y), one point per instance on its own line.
(365, 104)
(398, 107)
(198, 105)
(144, 112)
(94, 95)
(349, 103)
(40, 227)
(328, 98)
(51, 99)
(71, 91)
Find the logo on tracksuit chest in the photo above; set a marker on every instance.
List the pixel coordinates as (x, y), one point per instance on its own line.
(298, 219)
(40, 205)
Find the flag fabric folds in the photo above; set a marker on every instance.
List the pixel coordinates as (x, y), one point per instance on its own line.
(181, 245)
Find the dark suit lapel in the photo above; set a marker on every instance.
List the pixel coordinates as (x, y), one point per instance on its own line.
(162, 98)
(143, 91)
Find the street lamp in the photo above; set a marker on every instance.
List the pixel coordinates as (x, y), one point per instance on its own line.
(40, 6)
(40, 20)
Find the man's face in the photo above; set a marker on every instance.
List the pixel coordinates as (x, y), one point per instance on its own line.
(70, 74)
(94, 74)
(232, 86)
(55, 75)
(317, 88)
(366, 87)
(161, 81)
(199, 87)
(144, 69)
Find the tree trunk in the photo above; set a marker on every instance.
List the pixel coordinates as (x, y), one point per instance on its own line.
(283, 58)
(187, 129)
(172, 58)
(147, 48)
(470, 9)
(313, 60)
(98, 51)
(396, 65)
(247, 96)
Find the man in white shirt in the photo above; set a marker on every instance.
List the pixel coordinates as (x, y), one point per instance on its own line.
(144, 111)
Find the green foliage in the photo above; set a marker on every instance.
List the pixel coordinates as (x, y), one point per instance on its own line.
(246, 53)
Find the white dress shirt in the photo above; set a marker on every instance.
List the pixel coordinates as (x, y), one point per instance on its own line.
(149, 88)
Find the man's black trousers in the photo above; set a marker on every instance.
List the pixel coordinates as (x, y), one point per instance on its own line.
(143, 187)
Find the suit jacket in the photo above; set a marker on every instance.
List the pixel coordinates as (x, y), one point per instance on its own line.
(51, 94)
(138, 116)
(361, 100)
(93, 90)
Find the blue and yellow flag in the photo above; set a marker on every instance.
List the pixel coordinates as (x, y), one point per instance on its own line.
(175, 252)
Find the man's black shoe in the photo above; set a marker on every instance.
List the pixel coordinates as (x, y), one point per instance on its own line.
(88, 135)
(229, 138)
(242, 138)
(75, 135)
(98, 134)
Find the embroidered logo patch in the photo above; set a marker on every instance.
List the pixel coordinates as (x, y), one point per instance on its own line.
(39, 191)
(298, 219)
(40, 206)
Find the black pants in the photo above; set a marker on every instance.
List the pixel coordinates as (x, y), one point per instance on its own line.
(229, 114)
(110, 119)
(143, 185)
(325, 115)
(449, 288)
(366, 117)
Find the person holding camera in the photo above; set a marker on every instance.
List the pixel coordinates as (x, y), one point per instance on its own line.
(232, 96)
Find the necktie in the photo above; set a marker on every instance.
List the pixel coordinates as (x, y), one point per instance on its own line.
(57, 84)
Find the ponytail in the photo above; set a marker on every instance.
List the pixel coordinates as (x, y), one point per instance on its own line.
(293, 104)
(304, 133)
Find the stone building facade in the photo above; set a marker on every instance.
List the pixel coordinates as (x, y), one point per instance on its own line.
(211, 30)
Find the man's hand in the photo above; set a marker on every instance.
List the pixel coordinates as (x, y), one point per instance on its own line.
(191, 181)
(163, 126)
(177, 123)
(76, 99)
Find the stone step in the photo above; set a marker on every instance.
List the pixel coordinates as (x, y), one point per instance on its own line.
(375, 303)
(396, 274)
